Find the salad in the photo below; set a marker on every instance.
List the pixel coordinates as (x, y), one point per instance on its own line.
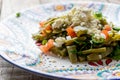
(81, 34)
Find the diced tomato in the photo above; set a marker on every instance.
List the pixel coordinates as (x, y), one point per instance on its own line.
(48, 46)
(43, 33)
(105, 32)
(42, 23)
(50, 43)
(44, 48)
(48, 29)
(71, 32)
(107, 27)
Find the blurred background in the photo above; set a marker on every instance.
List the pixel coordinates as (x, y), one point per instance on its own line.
(8, 7)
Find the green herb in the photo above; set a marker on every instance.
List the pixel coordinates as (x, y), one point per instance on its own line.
(17, 14)
(98, 15)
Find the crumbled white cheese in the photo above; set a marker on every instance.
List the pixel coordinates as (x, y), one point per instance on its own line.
(100, 56)
(99, 36)
(57, 24)
(82, 23)
(79, 17)
(94, 31)
(59, 41)
(78, 28)
(68, 38)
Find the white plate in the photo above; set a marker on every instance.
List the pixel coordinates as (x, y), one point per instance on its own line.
(18, 48)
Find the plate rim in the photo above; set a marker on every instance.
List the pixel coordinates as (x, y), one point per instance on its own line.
(44, 74)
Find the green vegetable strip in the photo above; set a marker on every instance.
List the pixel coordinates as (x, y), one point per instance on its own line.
(59, 52)
(98, 50)
(63, 52)
(38, 37)
(94, 57)
(81, 59)
(81, 32)
(116, 57)
(70, 42)
(55, 50)
(74, 40)
(107, 52)
(116, 53)
(72, 53)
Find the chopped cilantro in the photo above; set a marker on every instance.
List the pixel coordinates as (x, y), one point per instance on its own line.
(98, 15)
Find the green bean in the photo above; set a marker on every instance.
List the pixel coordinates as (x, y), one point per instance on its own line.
(116, 37)
(38, 37)
(94, 57)
(55, 50)
(56, 31)
(81, 59)
(81, 32)
(98, 56)
(58, 51)
(64, 52)
(82, 38)
(98, 50)
(107, 52)
(72, 53)
(75, 40)
(50, 21)
(70, 42)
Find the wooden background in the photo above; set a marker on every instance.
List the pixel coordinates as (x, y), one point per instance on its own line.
(7, 7)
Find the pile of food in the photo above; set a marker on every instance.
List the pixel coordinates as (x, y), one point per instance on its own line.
(81, 34)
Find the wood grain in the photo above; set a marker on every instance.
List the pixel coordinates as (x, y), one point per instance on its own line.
(7, 7)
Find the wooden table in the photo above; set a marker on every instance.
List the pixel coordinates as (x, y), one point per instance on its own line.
(7, 7)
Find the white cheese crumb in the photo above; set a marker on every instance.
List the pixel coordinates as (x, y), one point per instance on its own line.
(59, 41)
(57, 24)
(100, 56)
(78, 28)
(68, 38)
